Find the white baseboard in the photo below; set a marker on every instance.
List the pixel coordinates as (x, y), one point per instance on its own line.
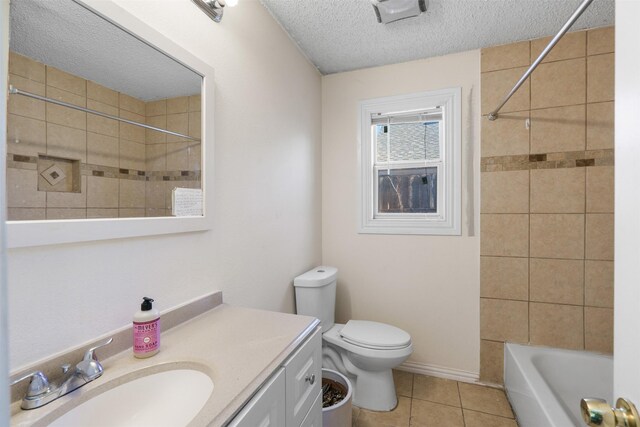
(440, 372)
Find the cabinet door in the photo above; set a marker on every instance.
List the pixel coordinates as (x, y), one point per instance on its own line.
(314, 417)
(267, 408)
(304, 379)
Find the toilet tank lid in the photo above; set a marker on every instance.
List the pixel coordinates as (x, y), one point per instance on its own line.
(317, 277)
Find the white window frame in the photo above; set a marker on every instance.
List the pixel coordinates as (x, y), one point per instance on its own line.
(447, 220)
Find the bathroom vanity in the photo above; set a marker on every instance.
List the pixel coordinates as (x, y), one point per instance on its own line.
(265, 368)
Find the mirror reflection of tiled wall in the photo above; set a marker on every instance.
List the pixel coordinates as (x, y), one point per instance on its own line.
(121, 170)
(547, 198)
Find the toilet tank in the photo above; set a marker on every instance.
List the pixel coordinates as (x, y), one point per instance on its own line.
(316, 294)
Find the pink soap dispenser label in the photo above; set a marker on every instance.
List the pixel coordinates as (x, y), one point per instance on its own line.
(146, 336)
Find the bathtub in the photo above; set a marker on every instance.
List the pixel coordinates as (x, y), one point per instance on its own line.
(545, 385)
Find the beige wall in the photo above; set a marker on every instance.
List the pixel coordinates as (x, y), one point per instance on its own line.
(547, 198)
(266, 198)
(113, 169)
(427, 285)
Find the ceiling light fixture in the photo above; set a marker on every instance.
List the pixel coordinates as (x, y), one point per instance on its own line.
(214, 8)
(394, 10)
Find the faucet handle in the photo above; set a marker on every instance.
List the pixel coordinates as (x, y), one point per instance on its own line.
(38, 385)
(91, 353)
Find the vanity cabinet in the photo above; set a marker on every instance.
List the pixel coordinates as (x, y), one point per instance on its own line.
(291, 397)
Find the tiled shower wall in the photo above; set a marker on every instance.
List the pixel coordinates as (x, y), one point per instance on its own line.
(547, 198)
(123, 172)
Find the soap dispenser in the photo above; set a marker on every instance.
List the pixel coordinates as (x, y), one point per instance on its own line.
(146, 330)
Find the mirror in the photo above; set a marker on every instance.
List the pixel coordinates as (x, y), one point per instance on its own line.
(101, 124)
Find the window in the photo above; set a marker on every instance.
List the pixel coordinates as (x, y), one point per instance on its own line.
(410, 164)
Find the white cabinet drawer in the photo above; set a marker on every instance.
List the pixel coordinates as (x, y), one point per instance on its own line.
(303, 379)
(314, 417)
(266, 408)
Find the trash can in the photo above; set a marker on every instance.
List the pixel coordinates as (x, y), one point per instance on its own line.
(336, 413)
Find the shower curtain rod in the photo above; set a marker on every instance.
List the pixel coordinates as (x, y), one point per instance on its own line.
(15, 91)
(494, 114)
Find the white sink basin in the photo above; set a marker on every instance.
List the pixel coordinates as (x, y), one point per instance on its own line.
(169, 398)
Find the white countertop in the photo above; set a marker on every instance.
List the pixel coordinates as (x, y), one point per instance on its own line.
(238, 347)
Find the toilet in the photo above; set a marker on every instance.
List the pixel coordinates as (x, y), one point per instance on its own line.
(363, 351)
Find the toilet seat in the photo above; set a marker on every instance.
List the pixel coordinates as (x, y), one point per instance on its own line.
(374, 335)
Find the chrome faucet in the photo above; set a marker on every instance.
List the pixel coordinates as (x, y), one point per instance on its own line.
(41, 392)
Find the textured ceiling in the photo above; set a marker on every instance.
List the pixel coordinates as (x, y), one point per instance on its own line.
(342, 35)
(67, 36)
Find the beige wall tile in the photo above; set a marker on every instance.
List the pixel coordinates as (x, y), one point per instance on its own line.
(599, 237)
(506, 136)
(131, 104)
(489, 400)
(132, 194)
(426, 413)
(557, 190)
(102, 125)
(66, 213)
(102, 192)
(195, 157)
(496, 84)
(598, 284)
(102, 94)
(505, 192)
(438, 390)
(155, 137)
(26, 214)
(69, 200)
(156, 108)
(102, 150)
(66, 142)
(26, 67)
(491, 361)
(598, 324)
(66, 116)
(600, 189)
(153, 212)
(504, 320)
(571, 45)
(600, 78)
(23, 106)
(178, 105)
(557, 281)
(22, 189)
(132, 155)
(70, 183)
(177, 123)
(65, 81)
(601, 40)
(102, 213)
(504, 277)
(178, 156)
(195, 102)
(25, 135)
(155, 193)
(195, 124)
(132, 213)
(156, 157)
(600, 129)
(557, 236)
(505, 56)
(558, 129)
(557, 325)
(504, 235)
(559, 83)
(479, 419)
(132, 132)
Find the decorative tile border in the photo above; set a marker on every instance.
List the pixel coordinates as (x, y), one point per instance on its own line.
(569, 159)
(17, 161)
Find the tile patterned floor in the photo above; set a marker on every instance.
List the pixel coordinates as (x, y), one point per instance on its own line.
(435, 402)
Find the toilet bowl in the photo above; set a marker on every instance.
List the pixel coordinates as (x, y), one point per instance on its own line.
(363, 351)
